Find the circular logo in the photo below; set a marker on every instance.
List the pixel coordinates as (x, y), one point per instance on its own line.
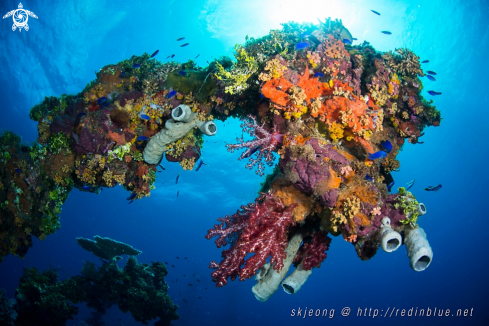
(20, 18)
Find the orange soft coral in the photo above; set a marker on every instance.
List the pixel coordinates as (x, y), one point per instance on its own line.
(275, 90)
(289, 195)
(312, 86)
(120, 139)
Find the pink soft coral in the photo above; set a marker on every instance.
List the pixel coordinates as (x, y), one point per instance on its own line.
(264, 143)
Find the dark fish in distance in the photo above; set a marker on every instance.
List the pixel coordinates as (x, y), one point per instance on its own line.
(180, 38)
(173, 266)
(346, 41)
(144, 117)
(177, 257)
(420, 142)
(172, 93)
(198, 280)
(431, 77)
(161, 166)
(168, 57)
(301, 45)
(183, 73)
(184, 300)
(178, 176)
(199, 298)
(172, 56)
(154, 54)
(184, 257)
(178, 193)
(183, 275)
(132, 196)
(132, 201)
(136, 65)
(433, 188)
(433, 93)
(389, 187)
(101, 100)
(183, 45)
(425, 61)
(431, 72)
(166, 263)
(318, 74)
(141, 138)
(197, 56)
(375, 12)
(386, 32)
(190, 284)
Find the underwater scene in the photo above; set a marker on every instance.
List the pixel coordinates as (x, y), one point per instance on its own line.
(215, 162)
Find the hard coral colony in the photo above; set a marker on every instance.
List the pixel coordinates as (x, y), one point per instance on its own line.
(324, 110)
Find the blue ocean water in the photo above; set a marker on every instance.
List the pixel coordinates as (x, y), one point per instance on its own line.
(72, 39)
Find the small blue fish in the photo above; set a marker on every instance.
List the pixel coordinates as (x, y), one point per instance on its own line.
(386, 32)
(154, 54)
(301, 45)
(433, 93)
(249, 152)
(431, 72)
(410, 184)
(433, 188)
(355, 39)
(180, 38)
(346, 41)
(425, 61)
(183, 73)
(86, 187)
(431, 77)
(184, 45)
(168, 57)
(200, 165)
(197, 56)
(386, 145)
(172, 56)
(389, 187)
(142, 138)
(101, 100)
(132, 201)
(172, 93)
(136, 65)
(161, 166)
(420, 142)
(377, 155)
(18, 170)
(123, 73)
(318, 74)
(81, 114)
(105, 104)
(375, 12)
(178, 176)
(369, 178)
(133, 56)
(262, 96)
(178, 193)
(144, 117)
(132, 196)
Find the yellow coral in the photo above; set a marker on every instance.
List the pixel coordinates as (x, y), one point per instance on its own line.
(188, 163)
(107, 176)
(335, 131)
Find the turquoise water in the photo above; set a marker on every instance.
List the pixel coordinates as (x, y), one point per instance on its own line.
(72, 39)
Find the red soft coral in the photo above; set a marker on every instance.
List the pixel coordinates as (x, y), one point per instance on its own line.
(259, 228)
(312, 254)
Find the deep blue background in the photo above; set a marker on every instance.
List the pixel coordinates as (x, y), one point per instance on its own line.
(72, 39)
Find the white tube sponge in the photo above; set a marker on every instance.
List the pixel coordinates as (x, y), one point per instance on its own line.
(183, 119)
(390, 240)
(268, 279)
(296, 280)
(418, 249)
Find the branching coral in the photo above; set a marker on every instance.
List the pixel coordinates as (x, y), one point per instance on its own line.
(259, 228)
(404, 62)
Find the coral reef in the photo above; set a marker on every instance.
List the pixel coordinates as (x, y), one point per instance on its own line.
(336, 114)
